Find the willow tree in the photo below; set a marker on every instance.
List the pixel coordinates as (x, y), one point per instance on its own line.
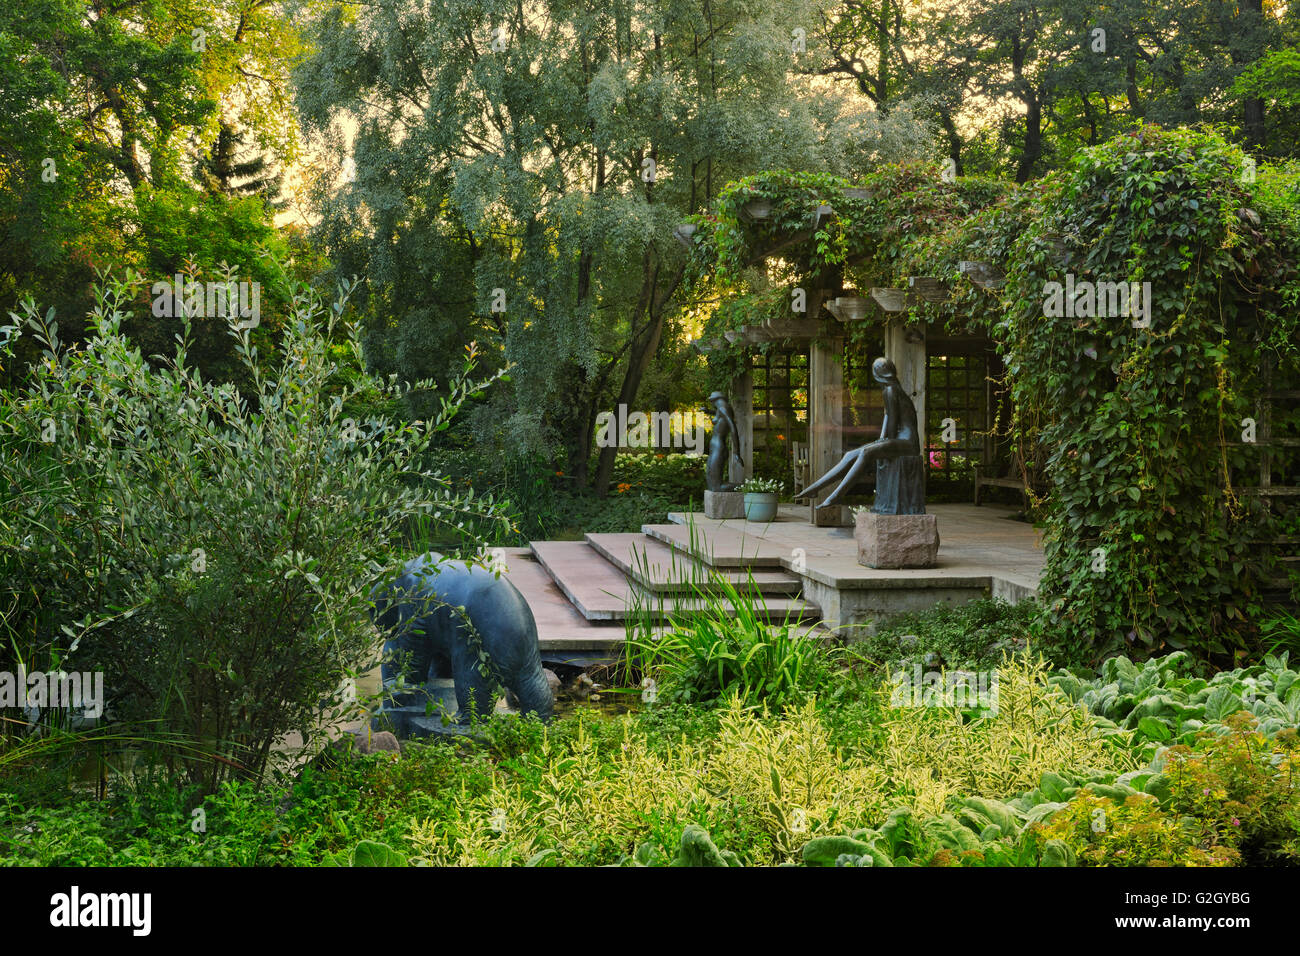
(516, 172)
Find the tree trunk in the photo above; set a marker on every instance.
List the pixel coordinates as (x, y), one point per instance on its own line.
(1252, 15)
(644, 347)
(954, 139)
(1131, 89)
(1033, 139)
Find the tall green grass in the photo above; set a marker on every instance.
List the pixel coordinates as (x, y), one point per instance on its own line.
(722, 644)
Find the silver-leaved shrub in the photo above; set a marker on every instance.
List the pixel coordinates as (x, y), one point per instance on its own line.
(211, 551)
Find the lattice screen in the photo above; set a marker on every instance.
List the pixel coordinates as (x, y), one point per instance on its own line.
(956, 389)
(780, 411)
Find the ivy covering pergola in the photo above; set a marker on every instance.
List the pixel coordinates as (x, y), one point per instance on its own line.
(1170, 445)
(831, 241)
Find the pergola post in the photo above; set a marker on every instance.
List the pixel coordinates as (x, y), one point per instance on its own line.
(742, 403)
(905, 347)
(825, 418)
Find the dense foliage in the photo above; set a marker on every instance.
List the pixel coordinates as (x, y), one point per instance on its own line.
(845, 779)
(209, 551)
(109, 109)
(521, 184)
(1140, 422)
(974, 634)
(1151, 542)
(569, 193)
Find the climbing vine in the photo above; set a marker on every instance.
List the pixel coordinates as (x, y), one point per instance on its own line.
(1141, 416)
(824, 227)
(1150, 543)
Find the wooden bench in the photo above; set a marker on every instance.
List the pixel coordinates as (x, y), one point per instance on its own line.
(982, 479)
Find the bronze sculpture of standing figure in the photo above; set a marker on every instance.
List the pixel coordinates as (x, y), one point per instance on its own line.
(724, 428)
(899, 436)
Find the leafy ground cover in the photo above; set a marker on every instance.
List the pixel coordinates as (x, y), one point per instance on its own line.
(837, 777)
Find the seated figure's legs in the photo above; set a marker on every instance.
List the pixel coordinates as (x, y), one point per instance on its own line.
(848, 481)
(855, 461)
(834, 472)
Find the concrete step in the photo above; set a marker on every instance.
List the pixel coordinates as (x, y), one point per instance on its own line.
(658, 568)
(725, 547)
(602, 592)
(561, 629)
(594, 586)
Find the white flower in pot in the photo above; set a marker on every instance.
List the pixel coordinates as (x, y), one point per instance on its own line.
(761, 497)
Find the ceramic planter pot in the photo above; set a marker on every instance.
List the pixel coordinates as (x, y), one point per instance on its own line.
(760, 505)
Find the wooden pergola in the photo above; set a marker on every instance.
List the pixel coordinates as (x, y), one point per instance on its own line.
(830, 308)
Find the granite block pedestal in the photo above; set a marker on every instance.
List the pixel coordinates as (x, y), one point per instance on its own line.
(897, 541)
(721, 505)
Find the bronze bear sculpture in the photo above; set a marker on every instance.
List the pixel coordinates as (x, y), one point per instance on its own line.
(438, 612)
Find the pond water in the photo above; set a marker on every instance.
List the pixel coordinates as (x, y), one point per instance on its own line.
(611, 704)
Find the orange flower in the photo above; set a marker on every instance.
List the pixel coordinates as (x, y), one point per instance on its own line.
(559, 474)
(623, 486)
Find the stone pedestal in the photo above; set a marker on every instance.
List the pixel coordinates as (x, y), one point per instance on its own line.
(724, 504)
(897, 541)
(900, 486)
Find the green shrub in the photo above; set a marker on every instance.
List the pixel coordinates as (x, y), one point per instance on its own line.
(544, 504)
(725, 647)
(934, 754)
(1242, 788)
(759, 787)
(1163, 701)
(677, 479)
(210, 551)
(620, 512)
(1280, 630)
(1134, 419)
(1137, 832)
(974, 634)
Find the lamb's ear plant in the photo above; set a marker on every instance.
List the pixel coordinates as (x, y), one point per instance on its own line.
(212, 551)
